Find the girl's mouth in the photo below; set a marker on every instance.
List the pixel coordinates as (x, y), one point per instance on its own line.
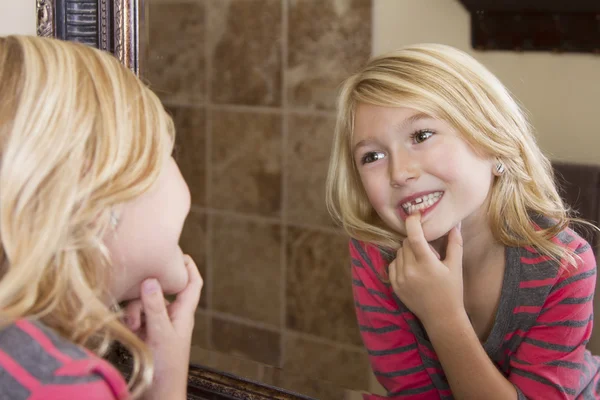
(422, 204)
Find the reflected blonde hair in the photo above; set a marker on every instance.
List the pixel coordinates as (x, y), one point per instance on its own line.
(79, 134)
(450, 85)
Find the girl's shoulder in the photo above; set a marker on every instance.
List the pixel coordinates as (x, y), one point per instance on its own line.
(569, 239)
(36, 362)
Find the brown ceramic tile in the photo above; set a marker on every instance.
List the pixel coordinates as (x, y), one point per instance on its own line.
(245, 341)
(193, 242)
(319, 286)
(190, 149)
(245, 46)
(313, 388)
(176, 62)
(237, 366)
(328, 40)
(347, 369)
(308, 148)
(246, 265)
(246, 162)
(200, 335)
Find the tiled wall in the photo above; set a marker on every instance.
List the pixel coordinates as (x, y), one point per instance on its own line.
(251, 85)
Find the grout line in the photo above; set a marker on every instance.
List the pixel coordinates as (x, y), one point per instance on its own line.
(329, 342)
(322, 229)
(245, 109)
(253, 109)
(272, 328)
(245, 321)
(236, 214)
(183, 104)
(269, 220)
(284, 180)
(208, 171)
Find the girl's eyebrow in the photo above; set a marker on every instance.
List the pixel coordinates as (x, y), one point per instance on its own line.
(412, 120)
(400, 127)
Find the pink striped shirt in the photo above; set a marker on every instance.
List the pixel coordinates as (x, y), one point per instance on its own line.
(538, 341)
(36, 364)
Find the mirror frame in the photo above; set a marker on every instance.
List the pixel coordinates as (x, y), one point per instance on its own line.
(116, 26)
(110, 25)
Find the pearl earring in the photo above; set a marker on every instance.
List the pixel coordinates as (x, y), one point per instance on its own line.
(499, 169)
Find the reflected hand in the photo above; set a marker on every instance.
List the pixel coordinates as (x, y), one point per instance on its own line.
(431, 288)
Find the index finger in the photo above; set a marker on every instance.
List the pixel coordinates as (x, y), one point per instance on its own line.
(416, 237)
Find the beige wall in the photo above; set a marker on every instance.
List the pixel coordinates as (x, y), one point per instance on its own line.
(17, 17)
(560, 92)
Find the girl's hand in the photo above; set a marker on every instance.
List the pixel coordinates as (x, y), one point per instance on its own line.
(167, 330)
(431, 288)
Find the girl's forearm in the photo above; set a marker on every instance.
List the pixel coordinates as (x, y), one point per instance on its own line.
(469, 371)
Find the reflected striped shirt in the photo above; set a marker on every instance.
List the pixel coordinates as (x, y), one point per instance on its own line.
(538, 340)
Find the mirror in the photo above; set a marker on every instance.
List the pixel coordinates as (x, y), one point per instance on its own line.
(251, 85)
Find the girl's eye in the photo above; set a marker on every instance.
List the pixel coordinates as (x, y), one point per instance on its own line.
(371, 157)
(421, 136)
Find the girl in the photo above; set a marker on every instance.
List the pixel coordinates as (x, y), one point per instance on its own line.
(91, 210)
(468, 283)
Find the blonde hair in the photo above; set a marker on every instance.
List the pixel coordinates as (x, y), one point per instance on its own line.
(79, 135)
(448, 84)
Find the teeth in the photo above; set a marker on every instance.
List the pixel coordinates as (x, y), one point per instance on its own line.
(421, 203)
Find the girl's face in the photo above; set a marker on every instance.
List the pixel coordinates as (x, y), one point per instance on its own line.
(146, 241)
(408, 161)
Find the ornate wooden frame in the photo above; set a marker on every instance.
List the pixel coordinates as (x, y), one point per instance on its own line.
(208, 384)
(110, 25)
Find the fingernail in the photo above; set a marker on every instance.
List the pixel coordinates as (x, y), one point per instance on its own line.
(150, 286)
(459, 226)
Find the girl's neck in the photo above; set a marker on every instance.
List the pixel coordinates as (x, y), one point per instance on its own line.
(479, 245)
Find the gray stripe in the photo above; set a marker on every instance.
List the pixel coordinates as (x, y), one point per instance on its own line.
(540, 379)
(384, 329)
(406, 392)
(357, 263)
(10, 388)
(358, 282)
(376, 309)
(440, 381)
(536, 296)
(583, 249)
(31, 356)
(365, 257)
(519, 361)
(520, 395)
(574, 278)
(395, 350)
(567, 364)
(507, 303)
(64, 346)
(570, 323)
(550, 346)
(565, 237)
(577, 300)
(28, 353)
(378, 293)
(401, 372)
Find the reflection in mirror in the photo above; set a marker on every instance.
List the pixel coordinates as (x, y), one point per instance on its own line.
(251, 85)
